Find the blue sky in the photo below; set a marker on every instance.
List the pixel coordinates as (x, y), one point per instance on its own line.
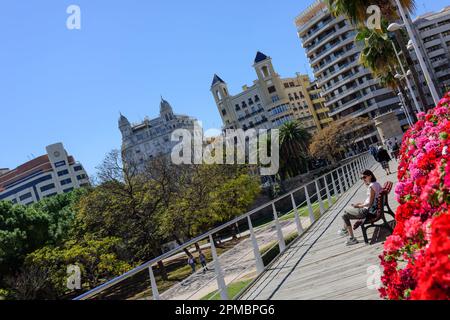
(60, 85)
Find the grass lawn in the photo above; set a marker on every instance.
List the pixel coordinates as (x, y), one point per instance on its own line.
(232, 289)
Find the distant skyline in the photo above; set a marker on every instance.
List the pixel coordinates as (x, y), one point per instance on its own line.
(60, 85)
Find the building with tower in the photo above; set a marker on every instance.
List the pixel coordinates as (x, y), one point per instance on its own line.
(52, 173)
(269, 102)
(152, 137)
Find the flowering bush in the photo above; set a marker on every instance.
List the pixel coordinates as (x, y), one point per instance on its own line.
(416, 256)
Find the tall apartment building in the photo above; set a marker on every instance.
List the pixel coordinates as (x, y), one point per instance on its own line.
(318, 102)
(152, 137)
(53, 173)
(433, 29)
(348, 88)
(268, 103)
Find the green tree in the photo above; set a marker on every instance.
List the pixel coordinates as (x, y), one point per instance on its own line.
(44, 275)
(127, 205)
(234, 197)
(22, 230)
(335, 139)
(379, 56)
(294, 142)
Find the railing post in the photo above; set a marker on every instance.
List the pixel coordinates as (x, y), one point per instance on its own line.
(353, 170)
(281, 242)
(352, 173)
(258, 260)
(298, 223)
(336, 193)
(346, 181)
(319, 197)
(341, 185)
(221, 286)
(155, 291)
(310, 209)
(330, 203)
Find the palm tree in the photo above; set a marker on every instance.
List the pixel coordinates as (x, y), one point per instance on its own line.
(294, 141)
(379, 56)
(355, 10)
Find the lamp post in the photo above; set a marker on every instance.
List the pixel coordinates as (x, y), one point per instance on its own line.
(405, 109)
(413, 42)
(405, 75)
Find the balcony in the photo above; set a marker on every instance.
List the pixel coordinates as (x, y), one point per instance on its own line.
(331, 49)
(360, 99)
(333, 35)
(319, 30)
(337, 72)
(335, 60)
(351, 90)
(362, 72)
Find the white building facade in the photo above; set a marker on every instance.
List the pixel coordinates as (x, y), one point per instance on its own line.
(152, 137)
(53, 173)
(433, 30)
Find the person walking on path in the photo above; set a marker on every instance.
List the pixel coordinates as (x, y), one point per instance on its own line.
(373, 151)
(191, 262)
(202, 258)
(383, 158)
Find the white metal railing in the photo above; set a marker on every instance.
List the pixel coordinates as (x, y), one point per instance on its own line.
(334, 183)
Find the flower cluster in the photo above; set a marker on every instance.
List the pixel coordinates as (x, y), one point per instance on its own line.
(416, 256)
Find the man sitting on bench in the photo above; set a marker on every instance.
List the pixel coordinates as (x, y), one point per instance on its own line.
(361, 210)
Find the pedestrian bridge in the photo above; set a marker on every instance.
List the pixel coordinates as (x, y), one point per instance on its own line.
(314, 262)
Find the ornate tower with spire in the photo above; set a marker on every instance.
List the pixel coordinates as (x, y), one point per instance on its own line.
(165, 110)
(124, 126)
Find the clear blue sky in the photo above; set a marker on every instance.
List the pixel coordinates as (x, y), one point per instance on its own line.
(60, 85)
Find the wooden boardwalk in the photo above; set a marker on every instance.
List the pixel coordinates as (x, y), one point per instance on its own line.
(320, 265)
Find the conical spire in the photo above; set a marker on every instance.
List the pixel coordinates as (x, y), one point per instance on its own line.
(216, 79)
(260, 57)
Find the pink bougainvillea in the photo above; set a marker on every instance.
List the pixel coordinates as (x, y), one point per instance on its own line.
(416, 256)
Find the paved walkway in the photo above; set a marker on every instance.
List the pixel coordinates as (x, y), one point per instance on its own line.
(319, 265)
(237, 263)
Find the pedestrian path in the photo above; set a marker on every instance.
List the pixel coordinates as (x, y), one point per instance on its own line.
(319, 265)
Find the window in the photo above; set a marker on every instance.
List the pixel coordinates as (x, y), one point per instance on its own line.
(271, 89)
(78, 168)
(250, 101)
(81, 176)
(25, 196)
(60, 164)
(256, 98)
(275, 98)
(286, 85)
(66, 181)
(236, 106)
(14, 201)
(265, 71)
(224, 112)
(51, 195)
(47, 187)
(67, 190)
(63, 172)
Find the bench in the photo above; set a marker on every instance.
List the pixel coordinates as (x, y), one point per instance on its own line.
(382, 209)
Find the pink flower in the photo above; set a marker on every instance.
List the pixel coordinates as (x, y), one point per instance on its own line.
(413, 226)
(393, 243)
